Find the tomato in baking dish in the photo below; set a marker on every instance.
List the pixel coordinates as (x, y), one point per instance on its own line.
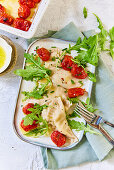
(28, 127)
(29, 3)
(75, 92)
(21, 24)
(6, 19)
(23, 13)
(2, 9)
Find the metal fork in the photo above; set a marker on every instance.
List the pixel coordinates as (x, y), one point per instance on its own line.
(94, 120)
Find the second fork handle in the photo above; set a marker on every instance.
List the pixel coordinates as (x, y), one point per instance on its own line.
(108, 123)
(108, 137)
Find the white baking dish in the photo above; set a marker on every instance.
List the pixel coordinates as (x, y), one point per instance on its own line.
(28, 34)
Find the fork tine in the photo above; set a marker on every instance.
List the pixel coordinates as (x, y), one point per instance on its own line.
(86, 113)
(83, 108)
(88, 119)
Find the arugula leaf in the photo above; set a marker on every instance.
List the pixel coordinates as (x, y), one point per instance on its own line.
(38, 131)
(102, 35)
(85, 12)
(73, 100)
(88, 106)
(34, 115)
(33, 70)
(111, 33)
(78, 126)
(88, 51)
(73, 115)
(91, 76)
(30, 73)
(112, 49)
(36, 93)
(42, 126)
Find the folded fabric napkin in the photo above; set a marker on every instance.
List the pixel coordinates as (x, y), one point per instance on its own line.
(92, 147)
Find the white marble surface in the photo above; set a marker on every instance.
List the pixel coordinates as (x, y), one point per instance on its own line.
(18, 155)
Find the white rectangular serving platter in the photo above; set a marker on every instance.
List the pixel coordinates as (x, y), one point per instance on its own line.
(28, 85)
(28, 34)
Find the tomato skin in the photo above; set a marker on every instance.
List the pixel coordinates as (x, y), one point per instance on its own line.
(6, 19)
(58, 138)
(67, 63)
(28, 127)
(43, 53)
(23, 11)
(78, 72)
(75, 92)
(28, 106)
(29, 3)
(2, 9)
(22, 24)
(36, 1)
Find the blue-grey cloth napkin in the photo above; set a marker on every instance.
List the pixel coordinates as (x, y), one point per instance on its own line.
(92, 147)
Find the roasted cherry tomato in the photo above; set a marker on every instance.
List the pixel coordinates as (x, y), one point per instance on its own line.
(22, 24)
(74, 92)
(78, 72)
(28, 106)
(2, 9)
(29, 3)
(67, 62)
(43, 53)
(28, 127)
(23, 11)
(58, 138)
(36, 1)
(6, 19)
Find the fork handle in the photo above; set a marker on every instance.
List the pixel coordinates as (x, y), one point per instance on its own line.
(108, 123)
(107, 136)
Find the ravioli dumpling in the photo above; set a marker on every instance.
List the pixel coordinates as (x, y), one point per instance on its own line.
(57, 117)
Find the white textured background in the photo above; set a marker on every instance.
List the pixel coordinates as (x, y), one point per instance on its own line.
(18, 155)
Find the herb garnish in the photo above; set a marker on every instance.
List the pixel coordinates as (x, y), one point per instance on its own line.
(80, 82)
(53, 58)
(72, 81)
(85, 12)
(52, 91)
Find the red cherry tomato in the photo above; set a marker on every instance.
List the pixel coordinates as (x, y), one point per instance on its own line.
(58, 138)
(6, 19)
(43, 53)
(67, 62)
(36, 1)
(2, 9)
(22, 24)
(29, 3)
(28, 106)
(74, 92)
(28, 127)
(23, 11)
(78, 72)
